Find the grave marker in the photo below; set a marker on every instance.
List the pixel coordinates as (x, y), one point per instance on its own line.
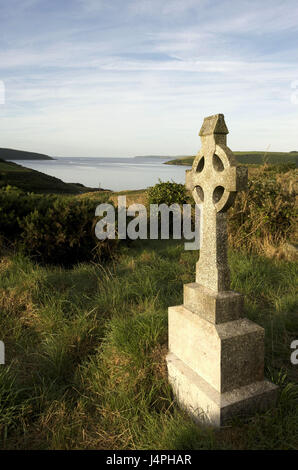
(216, 357)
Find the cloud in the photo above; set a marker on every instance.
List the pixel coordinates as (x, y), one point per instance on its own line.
(80, 73)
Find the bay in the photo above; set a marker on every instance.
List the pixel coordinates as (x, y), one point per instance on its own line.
(116, 174)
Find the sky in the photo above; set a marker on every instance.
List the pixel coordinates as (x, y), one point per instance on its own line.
(102, 78)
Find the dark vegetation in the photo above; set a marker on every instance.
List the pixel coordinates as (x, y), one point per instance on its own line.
(12, 154)
(50, 228)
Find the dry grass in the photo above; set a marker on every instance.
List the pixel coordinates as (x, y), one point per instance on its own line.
(86, 349)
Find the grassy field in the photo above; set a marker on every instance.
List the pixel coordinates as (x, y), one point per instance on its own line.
(35, 181)
(250, 158)
(85, 352)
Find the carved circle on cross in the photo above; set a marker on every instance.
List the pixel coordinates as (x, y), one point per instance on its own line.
(214, 178)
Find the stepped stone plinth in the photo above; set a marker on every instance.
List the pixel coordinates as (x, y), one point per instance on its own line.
(216, 357)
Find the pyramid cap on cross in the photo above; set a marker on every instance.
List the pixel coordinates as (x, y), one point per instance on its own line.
(214, 125)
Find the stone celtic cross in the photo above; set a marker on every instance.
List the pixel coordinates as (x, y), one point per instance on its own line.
(214, 181)
(216, 356)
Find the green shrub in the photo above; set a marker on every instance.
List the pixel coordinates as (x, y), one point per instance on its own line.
(63, 233)
(167, 193)
(14, 206)
(52, 229)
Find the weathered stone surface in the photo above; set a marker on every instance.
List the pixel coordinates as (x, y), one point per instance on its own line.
(227, 356)
(214, 181)
(216, 307)
(207, 405)
(216, 357)
(214, 125)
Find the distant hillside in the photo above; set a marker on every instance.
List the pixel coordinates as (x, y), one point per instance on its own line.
(12, 154)
(37, 182)
(140, 157)
(185, 161)
(256, 158)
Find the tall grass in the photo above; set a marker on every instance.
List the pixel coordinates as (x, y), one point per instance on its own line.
(264, 217)
(85, 352)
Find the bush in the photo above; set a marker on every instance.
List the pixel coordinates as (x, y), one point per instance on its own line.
(52, 229)
(167, 193)
(264, 213)
(14, 206)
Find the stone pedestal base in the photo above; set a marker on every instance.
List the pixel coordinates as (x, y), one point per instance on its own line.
(206, 405)
(216, 357)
